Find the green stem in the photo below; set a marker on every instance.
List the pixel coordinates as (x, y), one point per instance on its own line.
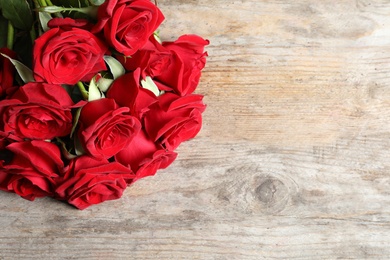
(82, 89)
(42, 3)
(89, 10)
(49, 3)
(10, 36)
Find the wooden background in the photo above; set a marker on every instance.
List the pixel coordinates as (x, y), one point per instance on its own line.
(293, 159)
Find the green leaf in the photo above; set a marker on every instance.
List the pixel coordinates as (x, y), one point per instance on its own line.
(24, 72)
(18, 12)
(93, 89)
(156, 35)
(75, 121)
(3, 31)
(78, 147)
(115, 66)
(96, 2)
(105, 84)
(73, 12)
(149, 84)
(44, 18)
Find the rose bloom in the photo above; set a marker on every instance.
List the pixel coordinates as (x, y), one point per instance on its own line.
(37, 111)
(144, 156)
(7, 71)
(67, 56)
(188, 60)
(127, 24)
(174, 66)
(33, 170)
(105, 128)
(152, 59)
(174, 119)
(89, 181)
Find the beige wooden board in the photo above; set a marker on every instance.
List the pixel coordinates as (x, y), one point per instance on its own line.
(293, 160)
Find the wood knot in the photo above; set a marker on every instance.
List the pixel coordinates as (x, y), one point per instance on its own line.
(273, 195)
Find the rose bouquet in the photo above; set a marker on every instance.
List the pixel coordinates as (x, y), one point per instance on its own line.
(91, 99)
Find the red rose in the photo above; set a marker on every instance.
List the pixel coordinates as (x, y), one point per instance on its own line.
(33, 170)
(89, 181)
(127, 24)
(37, 111)
(67, 56)
(144, 156)
(105, 128)
(126, 91)
(187, 61)
(174, 66)
(174, 119)
(7, 71)
(152, 59)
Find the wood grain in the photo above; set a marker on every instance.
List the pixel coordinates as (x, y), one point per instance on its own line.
(292, 161)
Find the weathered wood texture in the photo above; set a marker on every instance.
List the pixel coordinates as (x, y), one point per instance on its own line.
(293, 161)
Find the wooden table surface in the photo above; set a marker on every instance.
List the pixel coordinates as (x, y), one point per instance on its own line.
(293, 160)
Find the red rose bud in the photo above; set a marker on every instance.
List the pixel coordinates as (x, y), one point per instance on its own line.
(67, 56)
(105, 128)
(89, 181)
(33, 170)
(174, 119)
(37, 111)
(127, 24)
